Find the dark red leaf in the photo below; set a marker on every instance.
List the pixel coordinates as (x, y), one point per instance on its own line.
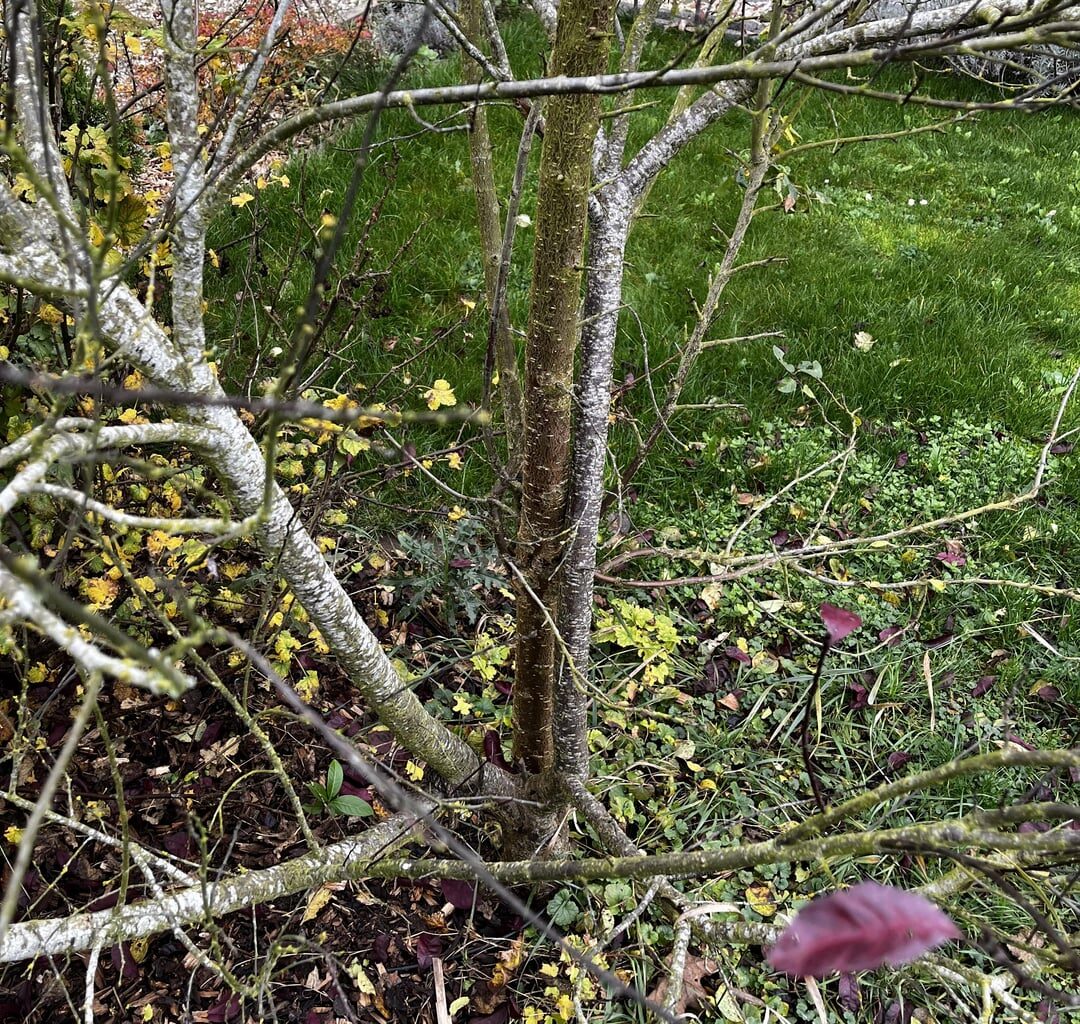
(950, 559)
(427, 948)
(848, 993)
(898, 759)
(1047, 1012)
(1061, 448)
(838, 621)
(380, 948)
(226, 1008)
(504, 686)
(891, 635)
(461, 893)
(902, 460)
(124, 962)
(860, 696)
(860, 929)
(983, 685)
(348, 789)
(493, 750)
(738, 654)
(1049, 693)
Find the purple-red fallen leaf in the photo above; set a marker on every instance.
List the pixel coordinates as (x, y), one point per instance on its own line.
(838, 621)
(848, 993)
(504, 686)
(380, 947)
(493, 750)
(348, 789)
(1061, 448)
(1049, 693)
(124, 962)
(984, 685)
(898, 758)
(891, 635)
(460, 893)
(226, 1008)
(860, 696)
(859, 929)
(902, 460)
(427, 948)
(950, 559)
(738, 654)
(1047, 1012)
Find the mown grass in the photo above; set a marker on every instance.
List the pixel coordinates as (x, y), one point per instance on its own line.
(956, 251)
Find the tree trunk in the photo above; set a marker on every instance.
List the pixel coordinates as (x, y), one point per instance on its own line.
(581, 48)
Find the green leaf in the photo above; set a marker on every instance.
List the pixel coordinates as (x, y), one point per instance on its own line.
(317, 791)
(334, 776)
(562, 910)
(352, 806)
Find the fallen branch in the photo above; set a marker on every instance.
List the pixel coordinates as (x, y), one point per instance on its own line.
(350, 859)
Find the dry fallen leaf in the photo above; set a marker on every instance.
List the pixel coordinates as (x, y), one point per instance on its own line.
(693, 993)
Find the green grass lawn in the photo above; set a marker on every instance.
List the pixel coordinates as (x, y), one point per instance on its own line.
(957, 253)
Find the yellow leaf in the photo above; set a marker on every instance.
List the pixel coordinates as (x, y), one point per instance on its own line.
(308, 687)
(458, 1004)
(158, 541)
(456, 513)
(129, 416)
(147, 1013)
(13, 834)
(242, 199)
(453, 460)
(316, 902)
(51, 315)
(147, 583)
(100, 592)
(761, 899)
(414, 771)
(469, 304)
(364, 983)
(462, 704)
(440, 394)
(139, 948)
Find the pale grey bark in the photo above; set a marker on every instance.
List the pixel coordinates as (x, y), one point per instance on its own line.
(234, 456)
(351, 858)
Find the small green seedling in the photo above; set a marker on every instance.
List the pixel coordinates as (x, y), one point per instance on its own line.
(330, 800)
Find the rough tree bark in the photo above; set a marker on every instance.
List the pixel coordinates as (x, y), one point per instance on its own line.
(581, 48)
